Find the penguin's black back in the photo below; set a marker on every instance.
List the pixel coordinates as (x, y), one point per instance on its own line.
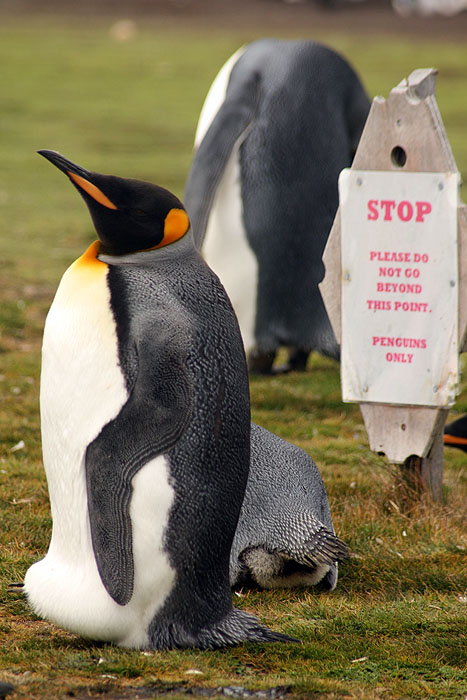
(209, 463)
(318, 108)
(297, 109)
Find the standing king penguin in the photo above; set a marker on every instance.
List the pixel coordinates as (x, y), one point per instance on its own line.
(279, 123)
(145, 429)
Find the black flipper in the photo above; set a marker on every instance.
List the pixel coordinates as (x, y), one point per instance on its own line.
(149, 424)
(231, 121)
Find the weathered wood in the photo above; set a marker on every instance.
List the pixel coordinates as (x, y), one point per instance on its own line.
(403, 133)
(409, 122)
(331, 286)
(462, 234)
(406, 425)
(420, 474)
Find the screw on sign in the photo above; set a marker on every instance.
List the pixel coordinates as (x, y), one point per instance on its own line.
(396, 279)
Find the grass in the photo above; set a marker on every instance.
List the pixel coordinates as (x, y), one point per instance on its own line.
(396, 625)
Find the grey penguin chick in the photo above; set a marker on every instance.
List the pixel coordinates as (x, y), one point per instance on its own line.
(279, 123)
(285, 536)
(145, 431)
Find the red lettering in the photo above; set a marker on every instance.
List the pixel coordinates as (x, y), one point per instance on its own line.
(390, 271)
(399, 342)
(372, 211)
(377, 305)
(416, 306)
(399, 287)
(387, 205)
(404, 358)
(423, 209)
(404, 211)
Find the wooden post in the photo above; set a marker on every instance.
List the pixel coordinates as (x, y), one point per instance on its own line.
(426, 473)
(404, 133)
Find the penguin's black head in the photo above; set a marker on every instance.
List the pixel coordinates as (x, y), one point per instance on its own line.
(129, 215)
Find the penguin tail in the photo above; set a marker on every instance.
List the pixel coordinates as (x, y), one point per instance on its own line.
(324, 547)
(235, 628)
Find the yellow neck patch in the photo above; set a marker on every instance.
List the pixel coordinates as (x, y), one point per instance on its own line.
(176, 224)
(83, 275)
(88, 261)
(92, 190)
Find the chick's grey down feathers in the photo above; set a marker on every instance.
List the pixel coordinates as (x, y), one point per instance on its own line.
(285, 522)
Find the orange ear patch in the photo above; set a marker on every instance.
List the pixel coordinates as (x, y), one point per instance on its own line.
(92, 190)
(176, 225)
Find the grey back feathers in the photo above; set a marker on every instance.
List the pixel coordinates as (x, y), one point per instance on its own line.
(293, 114)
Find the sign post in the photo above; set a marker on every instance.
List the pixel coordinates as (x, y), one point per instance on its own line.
(396, 279)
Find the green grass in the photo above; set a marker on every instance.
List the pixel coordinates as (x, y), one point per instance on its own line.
(396, 625)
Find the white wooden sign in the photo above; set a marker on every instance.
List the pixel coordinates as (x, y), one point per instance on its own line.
(399, 287)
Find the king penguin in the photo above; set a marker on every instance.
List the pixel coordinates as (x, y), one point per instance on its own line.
(145, 429)
(455, 433)
(285, 536)
(279, 123)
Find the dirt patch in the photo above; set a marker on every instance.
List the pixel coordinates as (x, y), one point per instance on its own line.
(272, 16)
(168, 691)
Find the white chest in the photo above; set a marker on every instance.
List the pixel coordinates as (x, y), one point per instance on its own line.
(227, 251)
(82, 389)
(225, 248)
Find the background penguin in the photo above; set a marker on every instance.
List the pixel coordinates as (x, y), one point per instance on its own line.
(284, 535)
(279, 123)
(146, 430)
(455, 433)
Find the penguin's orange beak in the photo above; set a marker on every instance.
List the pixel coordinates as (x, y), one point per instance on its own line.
(81, 177)
(91, 190)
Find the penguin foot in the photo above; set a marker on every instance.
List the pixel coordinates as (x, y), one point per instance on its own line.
(260, 362)
(237, 627)
(298, 359)
(281, 369)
